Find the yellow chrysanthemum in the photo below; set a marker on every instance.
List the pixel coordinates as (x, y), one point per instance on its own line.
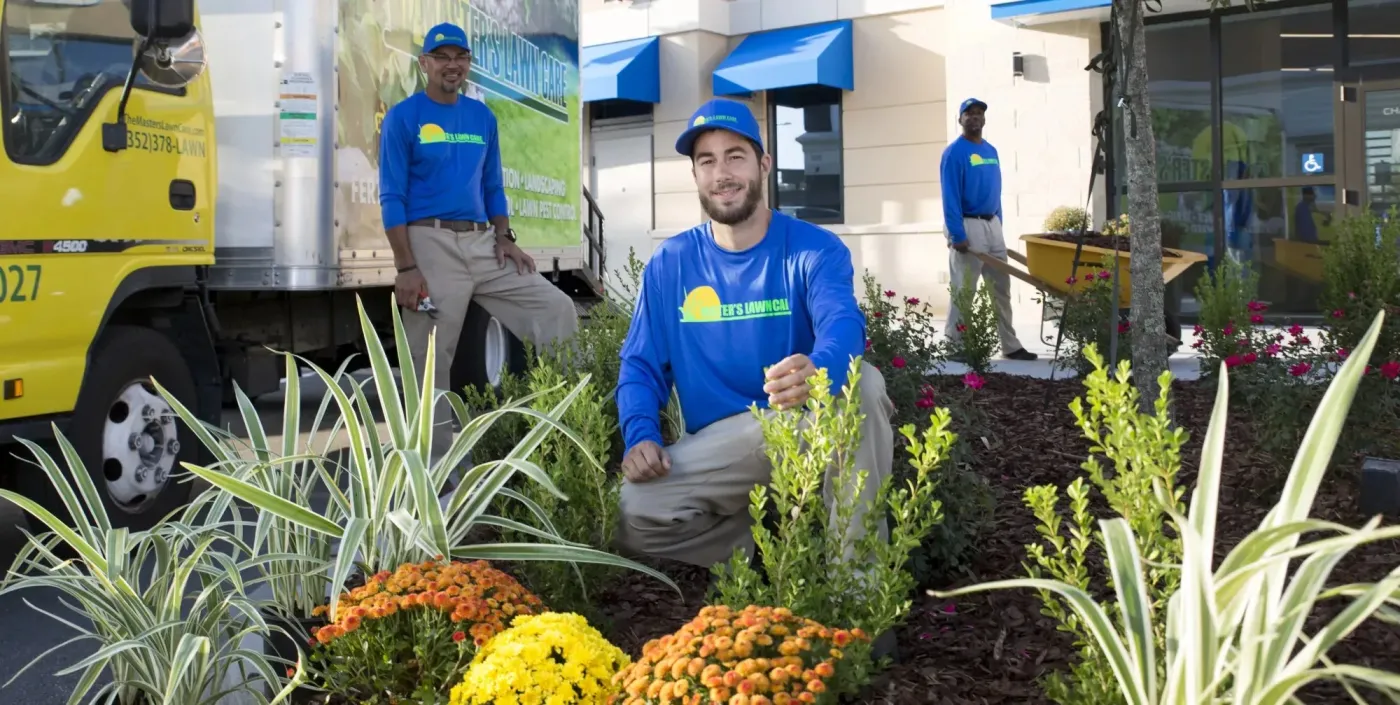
(548, 659)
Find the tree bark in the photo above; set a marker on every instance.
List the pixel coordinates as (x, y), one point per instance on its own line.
(1152, 346)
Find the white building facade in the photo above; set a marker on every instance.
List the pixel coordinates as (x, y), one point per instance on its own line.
(858, 100)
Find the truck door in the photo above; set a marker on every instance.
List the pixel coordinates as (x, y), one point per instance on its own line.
(83, 227)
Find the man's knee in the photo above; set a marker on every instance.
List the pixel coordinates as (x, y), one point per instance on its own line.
(873, 394)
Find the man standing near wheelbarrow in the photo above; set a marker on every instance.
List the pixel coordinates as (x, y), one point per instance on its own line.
(971, 173)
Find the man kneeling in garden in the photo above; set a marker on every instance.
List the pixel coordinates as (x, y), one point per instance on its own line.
(754, 289)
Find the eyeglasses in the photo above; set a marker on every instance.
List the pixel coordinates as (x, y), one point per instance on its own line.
(464, 58)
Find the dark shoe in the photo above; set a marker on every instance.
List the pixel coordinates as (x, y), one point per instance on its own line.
(885, 645)
(1022, 354)
(958, 358)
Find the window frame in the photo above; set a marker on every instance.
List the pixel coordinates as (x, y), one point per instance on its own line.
(81, 118)
(770, 99)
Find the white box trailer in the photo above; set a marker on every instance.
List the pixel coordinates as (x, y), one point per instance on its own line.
(300, 89)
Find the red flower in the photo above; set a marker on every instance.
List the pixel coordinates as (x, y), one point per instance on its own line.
(1299, 369)
(459, 636)
(867, 343)
(1103, 274)
(1197, 344)
(877, 314)
(1229, 329)
(889, 293)
(1256, 319)
(1339, 313)
(1257, 307)
(927, 390)
(973, 380)
(1198, 329)
(1123, 326)
(1342, 353)
(1250, 358)
(1243, 342)
(898, 362)
(924, 403)
(1295, 330)
(912, 301)
(962, 328)
(1233, 361)
(1391, 370)
(1089, 277)
(1070, 280)
(1272, 350)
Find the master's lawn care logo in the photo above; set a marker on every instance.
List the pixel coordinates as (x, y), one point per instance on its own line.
(702, 305)
(433, 134)
(702, 120)
(979, 160)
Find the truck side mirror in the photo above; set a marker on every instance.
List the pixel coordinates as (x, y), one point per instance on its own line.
(162, 19)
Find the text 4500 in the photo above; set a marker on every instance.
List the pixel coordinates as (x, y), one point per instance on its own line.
(164, 143)
(19, 283)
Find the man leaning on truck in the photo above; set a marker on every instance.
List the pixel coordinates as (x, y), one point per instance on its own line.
(444, 206)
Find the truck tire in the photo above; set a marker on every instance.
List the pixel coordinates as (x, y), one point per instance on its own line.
(486, 352)
(129, 439)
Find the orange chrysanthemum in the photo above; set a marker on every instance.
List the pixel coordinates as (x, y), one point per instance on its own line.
(757, 656)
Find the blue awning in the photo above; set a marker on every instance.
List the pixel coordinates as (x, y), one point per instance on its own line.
(1038, 9)
(629, 70)
(818, 54)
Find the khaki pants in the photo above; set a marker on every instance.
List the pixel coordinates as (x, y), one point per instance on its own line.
(460, 268)
(984, 236)
(698, 513)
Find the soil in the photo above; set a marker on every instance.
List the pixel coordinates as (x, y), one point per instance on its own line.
(1092, 239)
(991, 648)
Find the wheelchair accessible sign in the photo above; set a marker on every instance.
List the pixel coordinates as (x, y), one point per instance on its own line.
(1313, 163)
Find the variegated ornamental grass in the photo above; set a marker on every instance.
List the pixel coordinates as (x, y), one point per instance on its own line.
(391, 514)
(163, 643)
(1235, 631)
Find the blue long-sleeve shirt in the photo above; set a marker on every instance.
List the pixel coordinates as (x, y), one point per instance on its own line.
(971, 173)
(709, 321)
(440, 161)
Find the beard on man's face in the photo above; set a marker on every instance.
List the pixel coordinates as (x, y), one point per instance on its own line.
(733, 213)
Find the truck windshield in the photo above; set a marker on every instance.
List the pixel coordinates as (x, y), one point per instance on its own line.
(60, 61)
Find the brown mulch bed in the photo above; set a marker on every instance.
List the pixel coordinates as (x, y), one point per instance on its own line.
(1092, 239)
(991, 648)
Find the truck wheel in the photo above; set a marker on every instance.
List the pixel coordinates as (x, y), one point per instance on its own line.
(486, 352)
(129, 439)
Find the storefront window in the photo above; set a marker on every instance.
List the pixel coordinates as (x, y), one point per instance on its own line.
(1178, 71)
(806, 144)
(1382, 135)
(1281, 234)
(1373, 34)
(1277, 87)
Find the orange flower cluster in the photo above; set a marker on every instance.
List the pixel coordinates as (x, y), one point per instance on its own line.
(758, 656)
(474, 594)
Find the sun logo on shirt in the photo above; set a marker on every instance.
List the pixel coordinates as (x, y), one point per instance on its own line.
(701, 305)
(430, 134)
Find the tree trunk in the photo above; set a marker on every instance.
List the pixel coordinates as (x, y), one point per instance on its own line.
(1151, 345)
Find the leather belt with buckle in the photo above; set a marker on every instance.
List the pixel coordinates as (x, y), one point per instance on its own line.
(461, 226)
(982, 217)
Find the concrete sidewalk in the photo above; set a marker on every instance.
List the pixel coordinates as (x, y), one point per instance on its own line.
(1184, 363)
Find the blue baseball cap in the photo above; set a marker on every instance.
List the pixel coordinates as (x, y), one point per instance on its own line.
(969, 103)
(720, 114)
(445, 35)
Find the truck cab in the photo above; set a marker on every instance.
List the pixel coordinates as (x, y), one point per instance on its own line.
(175, 215)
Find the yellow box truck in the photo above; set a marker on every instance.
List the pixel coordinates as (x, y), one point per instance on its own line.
(187, 184)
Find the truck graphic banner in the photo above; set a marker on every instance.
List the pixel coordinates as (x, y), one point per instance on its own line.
(525, 67)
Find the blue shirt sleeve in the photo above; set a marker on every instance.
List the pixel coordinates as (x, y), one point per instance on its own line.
(644, 380)
(394, 148)
(838, 322)
(951, 173)
(492, 181)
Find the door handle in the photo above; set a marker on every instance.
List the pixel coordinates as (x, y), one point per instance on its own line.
(182, 195)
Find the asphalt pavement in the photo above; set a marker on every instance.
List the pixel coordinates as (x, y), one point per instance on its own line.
(26, 633)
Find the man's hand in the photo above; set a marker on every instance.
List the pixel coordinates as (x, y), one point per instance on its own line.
(787, 385)
(507, 250)
(409, 288)
(960, 246)
(645, 462)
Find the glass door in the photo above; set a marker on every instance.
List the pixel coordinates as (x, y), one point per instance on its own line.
(1372, 170)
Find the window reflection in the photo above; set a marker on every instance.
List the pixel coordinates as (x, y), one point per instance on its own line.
(806, 144)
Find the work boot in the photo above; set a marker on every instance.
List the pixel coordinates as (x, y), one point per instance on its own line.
(1021, 354)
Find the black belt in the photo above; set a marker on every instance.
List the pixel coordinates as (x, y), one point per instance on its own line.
(981, 217)
(461, 226)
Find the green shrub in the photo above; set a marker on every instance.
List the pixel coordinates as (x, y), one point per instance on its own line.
(1143, 452)
(977, 338)
(804, 557)
(1088, 319)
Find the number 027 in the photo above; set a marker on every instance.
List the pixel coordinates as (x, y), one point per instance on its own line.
(12, 283)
